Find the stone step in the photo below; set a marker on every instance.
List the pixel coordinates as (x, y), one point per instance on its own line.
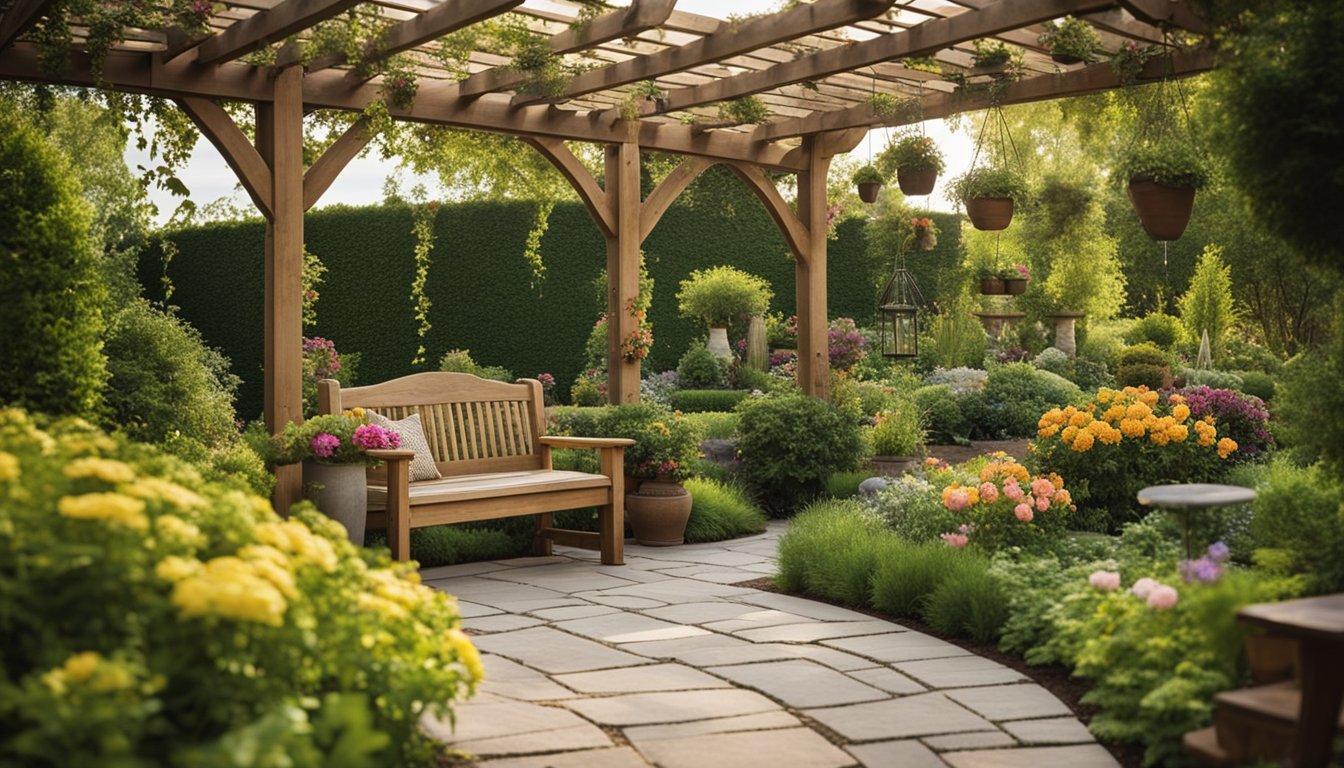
(1202, 745)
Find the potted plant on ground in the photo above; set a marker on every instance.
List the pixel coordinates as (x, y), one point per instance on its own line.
(897, 437)
(336, 450)
(869, 181)
(656, 504)
(1162, 178)
(720, 295)
(1071, 41)
(917, 162)
(989, 194)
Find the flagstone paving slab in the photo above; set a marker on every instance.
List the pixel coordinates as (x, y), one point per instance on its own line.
(673, 707)
(759, 722)
(921, 715)
(1010, 702)
(470, 610)
(711, 573)
(619, 757)
(812, 631)
(655, 677)
(510, 679)
(793, 747)
(756, 619)
(975, 740)
(566, 612)
(584, 736)
(898, 646)
(1087, 756)
(553, 651)
(804, 607)
(959, 672)
(888, 680)
(906, 753)
(494, 719)
(702, 612)
(800, 683)
(1055, 730)
(628, 628)
(502, 622)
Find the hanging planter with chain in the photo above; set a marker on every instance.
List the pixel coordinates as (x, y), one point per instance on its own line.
(989, 192)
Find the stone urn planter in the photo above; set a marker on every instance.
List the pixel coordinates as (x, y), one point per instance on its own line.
(894, 466)
(718, 343)
(658, 511)
(341, 492)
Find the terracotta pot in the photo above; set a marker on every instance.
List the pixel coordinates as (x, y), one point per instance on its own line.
(992, 286)
(990, 213)
(916, 181)
(1015, 286)
(1163, 211)
(658, 512)
(894, 466)
(341, 492)
(868, 191)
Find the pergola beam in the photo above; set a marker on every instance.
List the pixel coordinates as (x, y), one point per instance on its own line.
(442, 19)
(1178, 13)
(247, 163)
(640, 16)
(595, 199)
(323, 172)
(756, 33)
(21, 16)
(1089, 79)
(264, 27)
(921, 40)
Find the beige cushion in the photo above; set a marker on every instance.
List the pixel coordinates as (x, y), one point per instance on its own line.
(493, 485)
(412, 439)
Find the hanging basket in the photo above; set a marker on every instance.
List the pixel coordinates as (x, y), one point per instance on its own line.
(1015, 286)
(916, 181)
(990, 214)
(925, 239)
(993, 286)
(868, 191)
(1163, 211)
(1064, 58)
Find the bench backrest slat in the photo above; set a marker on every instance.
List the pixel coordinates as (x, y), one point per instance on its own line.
(472, 424)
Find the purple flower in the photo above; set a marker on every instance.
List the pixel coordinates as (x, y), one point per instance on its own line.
(1203, 570)
(324, 445)
(1218, 552)
(370, 436)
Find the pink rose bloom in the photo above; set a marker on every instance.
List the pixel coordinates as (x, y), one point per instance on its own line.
(1023, 512)
(1143, 587)
(1162, 597)
(1106, 581)
(988, 493)
(1012, 490)
(1042, 487)
(955, 540)
(1042, 504)
(957, 500)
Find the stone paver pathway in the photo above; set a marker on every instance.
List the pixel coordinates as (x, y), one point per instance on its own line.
(663, 661)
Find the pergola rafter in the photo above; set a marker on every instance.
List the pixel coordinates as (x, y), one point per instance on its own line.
(813, 67)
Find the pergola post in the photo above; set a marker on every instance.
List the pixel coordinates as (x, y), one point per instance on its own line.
(622, 187)
(280, 143)
(814, 363)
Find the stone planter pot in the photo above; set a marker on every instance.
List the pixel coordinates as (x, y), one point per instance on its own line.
(916, 181)
(658, 511)
(341, 492)
(990, 214)
(1163, 211)
(718, 343)
(894, 466)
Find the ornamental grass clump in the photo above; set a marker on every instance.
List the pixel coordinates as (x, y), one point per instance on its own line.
(151, 617)
(1124, 441)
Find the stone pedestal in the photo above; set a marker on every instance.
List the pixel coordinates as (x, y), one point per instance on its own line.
(1065, 325)
(998, 323)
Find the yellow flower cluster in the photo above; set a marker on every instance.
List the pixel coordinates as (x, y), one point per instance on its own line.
(457, 642)
(1129, 413)
(9, 466)
(1002, 468)
(107, 470)
(112, 507)
(88, 667)
(294, 538)
(252, 589)
(393, 596)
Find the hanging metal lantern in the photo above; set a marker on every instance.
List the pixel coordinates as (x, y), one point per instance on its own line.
(898, 312)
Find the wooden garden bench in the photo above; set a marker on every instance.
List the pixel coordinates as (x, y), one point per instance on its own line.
(488, 441)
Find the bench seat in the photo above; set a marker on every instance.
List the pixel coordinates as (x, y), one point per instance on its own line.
(491, 485)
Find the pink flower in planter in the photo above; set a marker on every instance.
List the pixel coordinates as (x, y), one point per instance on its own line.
(1042, 488)
(324, 444)
(1106, 581)
(1012, 490)
(1162, 597)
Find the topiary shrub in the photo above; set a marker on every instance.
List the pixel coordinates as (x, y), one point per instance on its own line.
(942, 416)
(790, 444)
(51, 286)
(702, 400)
(1257, 384)
(459, 361)
(1016, 394)
(720, 511)
(701, 369)
(1143, 365)
(133, 587)
(1159, 329)
(720, 295)
(165, 381)
(1207, 377)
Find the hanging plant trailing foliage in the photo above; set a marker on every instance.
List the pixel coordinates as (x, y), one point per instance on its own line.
(916, 161)
(869, 180)
(747, 109)
(422, 226)
(1071, 41)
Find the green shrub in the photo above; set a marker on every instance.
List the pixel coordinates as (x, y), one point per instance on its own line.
(942, 415)
(720, 295)
(1016, 394)
(701, 369)
(904, 580)
(721, 511)
(1243, 356)
(845, 485)
(437, 545)
(831, 550)
(712, 425)
(706, 400)
(459, 361)
(1258, 384)
(954, 340)
(133, 586)
(746, 378)
(1159, 329)
(898, 431)
(1142, 354)
(239, 463)
(790, 444)
(912, 508)
(664, 443)
(164, 380)
(1143, 365)
(1208, 305)
(1207, 377)
(1299, 525)
(970, 602)
(51, 285)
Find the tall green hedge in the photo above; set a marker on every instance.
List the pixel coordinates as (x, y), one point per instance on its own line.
(480, 285)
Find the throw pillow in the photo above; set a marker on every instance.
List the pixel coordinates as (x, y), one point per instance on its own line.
(413, 439)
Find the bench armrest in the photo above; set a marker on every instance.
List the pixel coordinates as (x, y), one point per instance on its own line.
(391, 454)
(562, 441)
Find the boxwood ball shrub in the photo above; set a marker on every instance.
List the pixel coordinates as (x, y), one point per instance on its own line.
(1016, 394)
(720, 295)
(150, 617)
(51, 287)
(701, 369)
(943, 418)
(1158, 329)
(789, 445)
(1143, 365)
(705, 400)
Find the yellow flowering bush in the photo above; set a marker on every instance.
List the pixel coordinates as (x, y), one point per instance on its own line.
(1125, 440)
(149, 617)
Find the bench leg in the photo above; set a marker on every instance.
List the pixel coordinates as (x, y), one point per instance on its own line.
(541, 540)
(612, 531)
(399, 513)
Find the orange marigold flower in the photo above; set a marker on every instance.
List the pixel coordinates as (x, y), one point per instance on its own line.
(1176, 399)
(1138, 411)
(1083, 442)
(1181, 412)
(1068, 434)
(1226, 447)
(1159, 436)
(1131, 428)
(1148, 398)
(1114, 414)
(1178, 432)
(1079, 419)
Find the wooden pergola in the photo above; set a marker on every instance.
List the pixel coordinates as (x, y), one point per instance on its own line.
(815, 67)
